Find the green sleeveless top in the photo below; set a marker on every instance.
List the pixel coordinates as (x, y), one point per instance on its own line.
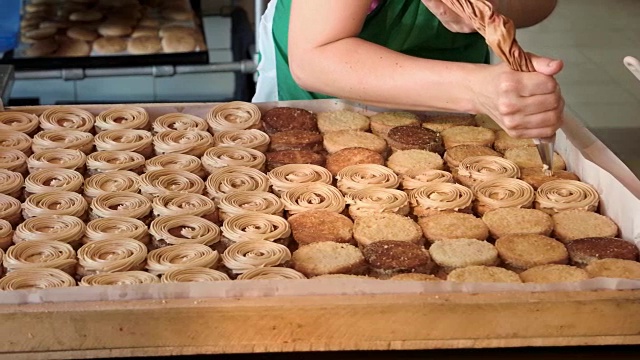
(406, 26)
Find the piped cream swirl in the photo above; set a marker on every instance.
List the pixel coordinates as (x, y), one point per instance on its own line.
(183, 229)
(18, 121)
(182, 142)
(116, 227)
(177, 121)
(377, 200)
(414, 181)
(11, 183)
(235, 178)
(123, 118)
(356, 177)
(165, 181)
(223, 156)
(271, 273)
(113, 181)
(124, 140)
(181, 162)
(60, 228)
(483, 168)
(57, 159)
(314, 196)
(54, 203)
(66, 118)
(63, 139)
(235, 115)
(173, 204)
(181, 256)
(119, 278)
(105, 161)
(254, 226)
(113, 255)
(504, 192)
(243, 202)
(41, 254)
(10, 139)
(46, 180)
(194, 274)
(286, 177)
(13, 160)
(252, 139)
(36, 278)
(560, 195)
(442, 196)
(246, 255)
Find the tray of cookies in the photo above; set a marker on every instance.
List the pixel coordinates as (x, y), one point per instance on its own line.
(109, 33)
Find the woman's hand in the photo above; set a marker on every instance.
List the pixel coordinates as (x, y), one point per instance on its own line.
(448, 17)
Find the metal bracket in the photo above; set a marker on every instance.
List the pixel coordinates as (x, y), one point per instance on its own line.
(73, 74)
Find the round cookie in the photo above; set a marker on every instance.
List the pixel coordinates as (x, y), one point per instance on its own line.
(441, 123)
(368, 229)
(467, 135)
(109, 45)
(338, 140)
(614, 268)
(408, 162)
(68, 47)
(545, 274)
(286, 118)
(178, 43)
(42, 48)
(383, 122)
(352, 156)
(296, 140)
(524, 251)
(144, 31)
(114, 29)
(509, 221)
(327, 257)
(584, 251)
(387, 258)
(454, 156)
(321, 225)
(528, 157)
(483, 274)
(342, 120)
(578, 224)
(449, 226)
(505, 142)
(144, 45)
(415, 277)
(41, 33)
(536, 176)
(81, 33)
(86, 16)
(412, 137)
(459, 253)
(286, 157)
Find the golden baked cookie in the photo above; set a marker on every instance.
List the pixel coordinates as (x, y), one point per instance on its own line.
(149, 22)
(82, 33)
(553, 273)
(614, 268)
(386, 226)
(459, 253)
(178, 43)
(407, 162)
(524, 251)
(415, 277)
(144, 44)
(41, 33)
(509, 221)
(109, 45)
(484, 274)
(338, 140)
(439, 123)
(578, 224)
(584, 251)
(328, 257)
(68, 47)
(144, 31)
(177, 14)
(383, 122)
(388, 258)
(176, 29)
(455, 155)
(42, 48)
(528, 157)
(450, 226)
(536, 176)
(321, 225)
(296, 140)
(467, 135)
(114, 29)
(352, 156)
(342, 120)
(505, 142)
(279, 158)
(86, 16)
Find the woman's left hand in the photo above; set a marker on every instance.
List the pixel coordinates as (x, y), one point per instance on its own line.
(448, 17)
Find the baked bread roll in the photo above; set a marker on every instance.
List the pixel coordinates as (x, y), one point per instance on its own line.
(178, 43)
(327, 257)
(280, 158)
(119, 278)
(388, 258)
(11, 183)
(614, 268)
(455, 155)
(536, 177)
(183, 229)
(342, 120)
(121, 204)
(67, 118)
(36, 278)
(376, 200)
(460, 253)
(287, 177)
(443, 122)
(383, 122)
(194, 274)
(243, 202)
(271, 273)
(19, 121)
(553, 273)
(523, 251)
(6, 234)
(296, 140)
(321, 225)
(179, 121)
(224, 156)
(182, 142)
(414, 180)
(414, 138)
(477, 169)
(139, 141)
(313, 196)
(82, 33)
(561, 195)
(438, 198)
(501, 193)
(577, 224)
(528, 157)
(408, 162)
(116, 227)
(181, 162)
(358, 177)
(511, 221)
(109, 256)
(63, 139)
(41, 254)
(484, 274)
(144, 44)
(584, 251)
(255, 226)
(10, 210)
(338, 140)
(14, 160)
(106, 161)
(467, 135)
(173, 204)
(144, 31)
(235, 178)
(449, 226)
(235, 115)
(252, 139)
(53, 180)
(251, 254)
(160, 182)
(386, 226)
(55, 203)
(287, 118)
(352, 156)
(505, 142)
(181, 256)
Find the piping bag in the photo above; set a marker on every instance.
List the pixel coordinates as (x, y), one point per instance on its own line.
(500, 32)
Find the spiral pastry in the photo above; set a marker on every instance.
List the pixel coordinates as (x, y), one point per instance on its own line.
(177, 121)
(11, 183)
(113, 181)
(116, 227)
(61, 228)
(63, 139)
(501, 193)
(10, 209)
(6, 234)
(235, 115)
(19, 121)
(161, 182)
(252, 139)
(41, 254)
(223, 156)
(15, 140)
(67, 118)
(183, 229)
(253, 226)
(173, 204)
(182, 142)
(246, 255)
(377, 200)
(243, 202)
(57, 159)
(123, 118)
(194, 274)
(36, 278)
(272, 273)
(109, 256)
(436, 197)
(139, 141)
(55, 203)
(121, 204)
(46, 180)
(476, 169)
(235, 178)
(286, 177)
(413, 181)
(181, 256)
(356, 177)
(314, 196)
(105, 161)
(560, 195)
(182, 162)
(119, 278)
(13, 160)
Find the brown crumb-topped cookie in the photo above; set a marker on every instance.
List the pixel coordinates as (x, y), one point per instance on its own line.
(448, 226)
(505, 142)
(508, 221)
(455, 155)
(287, 118)
(279, 158)
(414, 137)
(321, 225)
(441, 123)
(484, 274)
(296, 140)
(467, 135)
(614, 268)
(414, 277)
(536, 176)
(387, 258)
(327, 257)
(584, 251)
(524, 251)
(577, 224)
(383, 122)
(553, 273)
(352, 156)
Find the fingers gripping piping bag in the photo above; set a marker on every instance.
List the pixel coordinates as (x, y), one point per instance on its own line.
(499, 32)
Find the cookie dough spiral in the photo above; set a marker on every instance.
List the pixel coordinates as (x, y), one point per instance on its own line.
(57, 159)
(182, 162)
(243, 202)
(63, 139)
(182, 142)
(98, 184)
(16, 140)
(272, 273)
(441, 197)
(41, 254)
(139, 141)
(6, 234)
(559, 195)
(183, 229)
(10, 209)
(67, 118)
(46, 180)
(109, 256)
(105, 161)
(377, 200)
(181, 256)
(11, 183)
(36, 278)
(123, 118)
(254, 226)
(252, 139)
(161, 182)
(62, 228)
(13, 160)
(194, 274)
(116, 227)
(119, 278)
(314, 196)
(19, 121)
(54, 203)
(483, 168)
(246, 255)
(124, 204)
(173, 204)
(501, 193)
(356, 177)
(286, 177)
(414, 181)
(177, 121)
(223, 156)
(235, 178)
(235, 115)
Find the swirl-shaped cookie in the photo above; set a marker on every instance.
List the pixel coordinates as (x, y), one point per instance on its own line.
(235, 178)
(286, 177)
(66, 118)
(223, 156)
(437, 197)
(19, 121)
(254, 226)
(252, 139)
(476, 169)
(139, 141)
(58, 159)
(125, 204)
(243, 202)
(11, 183)
(10, 209)
(55, 203)
(46, 180)
(314, 196)
(177, 121)
(109, 256)
(377, 200)
(119, 278)
(181, 256)
(411, 182)
(173, 204)
(356, 177)
(116, 227)
(63, 139)
(272, 273)
(15, 140)
(502, 193)
(36, 278)
(235, 115)
(182, 162)
(13, 160)
(123, 118)
(61, 228)
(560, 195)
(194, 274)
(41, 254)
(246, 255)
(182, 142)
(6, 234)
(112, 181)
(105, 161)
(161, 182)
(183, 229)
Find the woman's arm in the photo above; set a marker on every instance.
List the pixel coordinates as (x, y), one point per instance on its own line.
(525, 13)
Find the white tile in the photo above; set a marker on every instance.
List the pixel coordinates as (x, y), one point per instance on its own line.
(606, 115)
(596, 94)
